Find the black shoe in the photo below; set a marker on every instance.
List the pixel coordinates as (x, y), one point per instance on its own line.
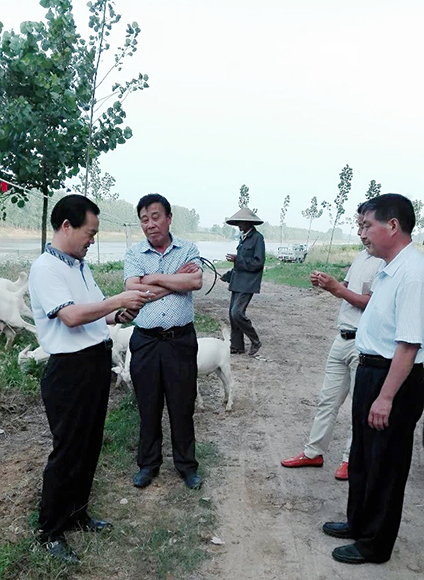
(60, 550)
(337, 530)
(236, 351)
(144, 477)
(193, 481)
(93, 525)
(349, 555)
(254, 348)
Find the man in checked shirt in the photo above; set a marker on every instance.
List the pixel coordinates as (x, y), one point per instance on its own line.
(164, 345)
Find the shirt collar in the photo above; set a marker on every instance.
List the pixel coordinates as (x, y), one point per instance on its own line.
(70, 260)
(392, 267)
(244, 235)
(146, 246)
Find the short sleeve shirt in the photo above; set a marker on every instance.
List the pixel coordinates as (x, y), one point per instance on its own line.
(360, 279)
(55, 281)
(395, 312)
(175, 309)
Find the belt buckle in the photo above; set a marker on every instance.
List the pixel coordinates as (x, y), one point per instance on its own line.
(361, 359)
(108, 343)
(168, 334)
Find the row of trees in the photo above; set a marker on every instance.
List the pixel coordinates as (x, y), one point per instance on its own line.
(115, 215)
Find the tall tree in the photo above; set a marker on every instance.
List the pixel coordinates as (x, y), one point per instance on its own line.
(97, 186)
(283, 212)
(46, 90)
(102, 18)
(312, 213)
(419, 215)
(244, 196)
(344, 186)
(373, 189)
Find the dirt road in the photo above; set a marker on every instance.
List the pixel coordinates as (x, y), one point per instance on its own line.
(269, 517)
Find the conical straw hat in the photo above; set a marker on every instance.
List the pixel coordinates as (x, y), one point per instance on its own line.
(244, 215)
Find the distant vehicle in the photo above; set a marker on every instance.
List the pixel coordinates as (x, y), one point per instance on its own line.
(292, 253)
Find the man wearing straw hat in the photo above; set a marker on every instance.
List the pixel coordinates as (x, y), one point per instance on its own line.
(245, 279)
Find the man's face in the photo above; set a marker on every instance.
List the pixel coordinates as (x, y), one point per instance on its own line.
(80, 239)
(360, 224)
(155, 224)
(375, 235)
(244, 227)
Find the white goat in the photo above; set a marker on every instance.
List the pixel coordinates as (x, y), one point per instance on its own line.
(38, 354)
(213, 356)
(14, 286)
(120, 336)
(20, 287)
(11, 306)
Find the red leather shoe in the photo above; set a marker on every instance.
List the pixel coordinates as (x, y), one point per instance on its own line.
(302, 461)
(342, 471)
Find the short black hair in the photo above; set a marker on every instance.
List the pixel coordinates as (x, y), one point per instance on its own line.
(150, 198)
(392, 205)
(73, 208)
(360, 208)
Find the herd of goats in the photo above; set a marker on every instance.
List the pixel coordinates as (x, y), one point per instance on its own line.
(213, 354)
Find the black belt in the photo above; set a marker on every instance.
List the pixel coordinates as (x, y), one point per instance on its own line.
(106, 344)
(348, 334)
(373, 360)
(162, 334)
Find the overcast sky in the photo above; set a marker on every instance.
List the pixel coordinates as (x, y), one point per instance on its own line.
(276, 94)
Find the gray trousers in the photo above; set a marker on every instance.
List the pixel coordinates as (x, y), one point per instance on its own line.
(240, 324)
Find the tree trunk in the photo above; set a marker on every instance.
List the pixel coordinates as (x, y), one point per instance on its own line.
(44, 218)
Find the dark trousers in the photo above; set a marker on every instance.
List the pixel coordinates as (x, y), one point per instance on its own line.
(240, 324)
(75, 391)
(379, 461)
(165, 369)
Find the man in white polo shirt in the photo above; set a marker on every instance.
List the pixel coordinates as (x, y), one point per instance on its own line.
(388, 398)
(71, 315)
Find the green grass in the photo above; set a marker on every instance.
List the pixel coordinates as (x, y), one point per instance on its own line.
(15, 379)
(206, 324)
(27, 560)
(298, 275)
(121, 435)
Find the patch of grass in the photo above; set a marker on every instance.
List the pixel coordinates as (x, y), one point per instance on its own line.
(206, 324)
(109, 277)
(16, 379)
(177, 551)
(121, 435)
(11, 270)
(298, 274)
(27, 560)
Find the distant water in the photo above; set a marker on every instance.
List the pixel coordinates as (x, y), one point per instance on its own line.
(23, 250)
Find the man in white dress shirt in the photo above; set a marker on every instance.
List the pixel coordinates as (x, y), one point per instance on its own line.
(389, 390)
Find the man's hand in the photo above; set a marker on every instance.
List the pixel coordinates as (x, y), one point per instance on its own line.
(379, 414)
(134, 299)
(127, 315)
(188, 268)
(231, 257)
(314, 277)
(327, 282)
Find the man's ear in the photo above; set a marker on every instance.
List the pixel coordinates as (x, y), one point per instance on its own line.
(394, 225)
(66, 225)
